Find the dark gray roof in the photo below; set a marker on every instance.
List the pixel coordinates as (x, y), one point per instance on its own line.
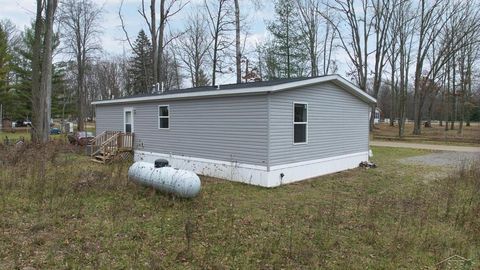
(245, 88)
(222, 87)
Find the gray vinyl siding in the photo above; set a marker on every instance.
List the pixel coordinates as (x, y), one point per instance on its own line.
(219, 128)
(337, 124)
(251, 129)
(109, 118)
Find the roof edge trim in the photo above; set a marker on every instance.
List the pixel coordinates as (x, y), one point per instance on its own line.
(350, 87)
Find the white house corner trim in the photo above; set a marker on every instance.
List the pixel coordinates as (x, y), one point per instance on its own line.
(233, 171)
(289, 173)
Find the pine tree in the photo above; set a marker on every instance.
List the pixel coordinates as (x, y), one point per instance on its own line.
(287, 44)
(18, 95)
(5, 58)
(141, 65)
(203, 79)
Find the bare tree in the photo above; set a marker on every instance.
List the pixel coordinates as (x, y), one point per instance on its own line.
(173, 76)
(469, 49)
(329, 35)
(168, 9)
(434, 19)
(310, 23)
(393, 56)
(105, 78)
(430, 24)
(353, 27)
(220, 23)
(238, 53)
(158, 34)
(402, 30)
(362, 20)
(80, 24)
(193, 48)
(383, 14)
(42, 70)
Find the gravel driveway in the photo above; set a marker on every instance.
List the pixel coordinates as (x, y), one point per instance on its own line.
(449, 156)
(444, 159)
(437, 147)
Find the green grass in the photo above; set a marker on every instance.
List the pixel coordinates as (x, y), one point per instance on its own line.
(14, 136)
(17, 135)
(84, 215)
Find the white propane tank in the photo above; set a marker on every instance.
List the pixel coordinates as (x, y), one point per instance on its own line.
(182, 183)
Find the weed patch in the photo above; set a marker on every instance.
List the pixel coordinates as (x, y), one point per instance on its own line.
(59, 210)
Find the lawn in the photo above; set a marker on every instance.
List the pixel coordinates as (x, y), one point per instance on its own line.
(435, 134)
(24, 133)
(13, 137)
(84, 215)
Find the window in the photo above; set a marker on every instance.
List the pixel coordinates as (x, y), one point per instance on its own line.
(300, 123)
(163, 117)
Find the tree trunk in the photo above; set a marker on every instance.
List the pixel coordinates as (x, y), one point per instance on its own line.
(469, 88)
(447, 98)
(47, 69)
(417, 116)
(393, 84)
(372, 117)
(401, 117)
(393, 96)
(238, 55)
(430, 111)
(43, 76)
(214, 60)
(153, 34)
(37, 116)
(313, 59)
(442, 102)
(287, 40)
(80, 95)
(161, 34)
(462, 91)
(462, 115)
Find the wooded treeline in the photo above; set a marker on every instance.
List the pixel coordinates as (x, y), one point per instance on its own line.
(418, 58)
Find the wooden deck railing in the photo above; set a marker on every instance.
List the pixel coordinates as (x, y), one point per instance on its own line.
(112, 142)
(102, 137)
(125, 141)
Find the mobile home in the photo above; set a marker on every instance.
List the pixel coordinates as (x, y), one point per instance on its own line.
(263, 133)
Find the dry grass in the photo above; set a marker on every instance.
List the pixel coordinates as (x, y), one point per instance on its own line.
(16, 134)
(76, 214)
(24, 133)
(435, 134)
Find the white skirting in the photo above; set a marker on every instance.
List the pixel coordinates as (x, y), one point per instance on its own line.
(258, 175)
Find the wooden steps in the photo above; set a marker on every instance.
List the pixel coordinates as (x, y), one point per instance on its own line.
(103, 157)
(97, 161)
(110, 144)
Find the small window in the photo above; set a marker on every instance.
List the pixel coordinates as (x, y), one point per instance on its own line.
(300, 123)
(163, 117)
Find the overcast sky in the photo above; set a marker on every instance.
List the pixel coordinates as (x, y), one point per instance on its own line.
(22, 12)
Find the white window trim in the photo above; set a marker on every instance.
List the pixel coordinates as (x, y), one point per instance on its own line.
(293, 123)
(159, 117)
(132, 112)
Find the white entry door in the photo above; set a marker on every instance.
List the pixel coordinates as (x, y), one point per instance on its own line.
(128, 126)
